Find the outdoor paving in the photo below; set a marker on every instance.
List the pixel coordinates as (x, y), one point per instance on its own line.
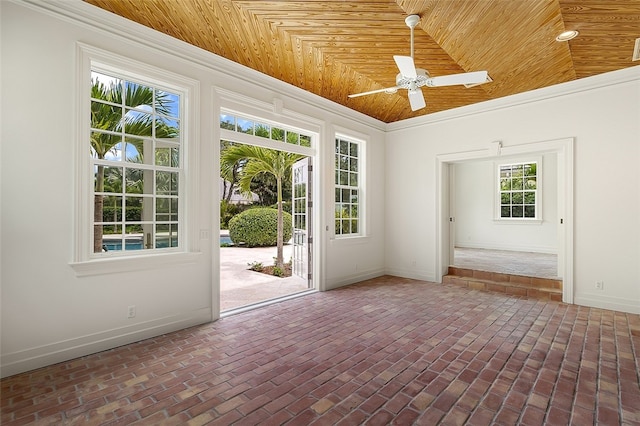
(240, 286)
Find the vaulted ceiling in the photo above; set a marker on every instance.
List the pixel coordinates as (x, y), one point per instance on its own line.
(336, 48)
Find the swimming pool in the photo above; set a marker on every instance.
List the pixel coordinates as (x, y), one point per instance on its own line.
(136, 243)
(111, 245)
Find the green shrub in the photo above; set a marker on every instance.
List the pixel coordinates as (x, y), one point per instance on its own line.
(256, 266)
(228, 211)
(286, 206)
(258, 227)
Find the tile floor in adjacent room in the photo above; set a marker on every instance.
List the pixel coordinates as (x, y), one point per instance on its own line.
(539, 265)
(385, 351)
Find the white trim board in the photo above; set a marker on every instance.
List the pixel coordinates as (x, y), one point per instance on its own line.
(42, 356)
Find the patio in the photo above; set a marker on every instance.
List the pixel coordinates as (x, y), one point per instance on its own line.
(241, 287)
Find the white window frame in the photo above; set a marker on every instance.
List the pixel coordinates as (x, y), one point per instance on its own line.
(267, 123)
(362, 230)
(250, 139)
(539, 188)
(85, 262)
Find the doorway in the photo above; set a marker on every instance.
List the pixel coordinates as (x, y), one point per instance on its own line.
(253, 269)
(504, 215)
(446, 221)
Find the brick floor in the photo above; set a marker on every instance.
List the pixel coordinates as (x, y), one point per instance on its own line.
(385, 351)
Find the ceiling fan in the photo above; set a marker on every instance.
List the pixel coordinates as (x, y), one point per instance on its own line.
(412, 78)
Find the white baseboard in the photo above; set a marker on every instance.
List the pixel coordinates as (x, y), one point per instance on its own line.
(608, 302)
(355, 278)
(42, 356)
(412, 273)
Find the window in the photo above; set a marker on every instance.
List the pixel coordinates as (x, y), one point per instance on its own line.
(136, 158)
(265, 130)
(347, 187)
(518, 191)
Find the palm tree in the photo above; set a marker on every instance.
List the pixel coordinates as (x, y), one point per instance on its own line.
(228, 172)
(108, 116)
(263, 161)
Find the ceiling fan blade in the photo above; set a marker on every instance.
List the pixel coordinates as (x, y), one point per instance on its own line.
(393, 89)
(406, 66)
(464, 78)
(416, 99)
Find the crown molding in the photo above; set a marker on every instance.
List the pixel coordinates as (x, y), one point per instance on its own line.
(81, 13)
(94, 18)
(563, 89)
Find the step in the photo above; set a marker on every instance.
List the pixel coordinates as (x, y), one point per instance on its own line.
(518, 285)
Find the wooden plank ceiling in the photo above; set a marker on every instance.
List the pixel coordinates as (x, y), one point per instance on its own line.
(335, 48)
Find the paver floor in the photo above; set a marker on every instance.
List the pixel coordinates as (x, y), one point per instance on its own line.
(385, 351)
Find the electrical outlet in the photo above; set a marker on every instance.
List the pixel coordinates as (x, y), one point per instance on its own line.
(132, 311)
(600, 285)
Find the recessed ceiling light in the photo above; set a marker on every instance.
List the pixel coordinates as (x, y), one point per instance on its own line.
(567, 35)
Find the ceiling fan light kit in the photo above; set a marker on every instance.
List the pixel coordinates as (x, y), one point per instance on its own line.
(413, 79)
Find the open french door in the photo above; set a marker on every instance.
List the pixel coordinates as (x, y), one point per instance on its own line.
(301, 212)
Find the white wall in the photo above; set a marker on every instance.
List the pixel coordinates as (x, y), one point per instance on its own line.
(603, 115)
(49, 313)
(474, 192)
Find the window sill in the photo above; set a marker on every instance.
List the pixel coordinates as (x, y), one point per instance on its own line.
(132, 263)
(500, 221)
(351, 240)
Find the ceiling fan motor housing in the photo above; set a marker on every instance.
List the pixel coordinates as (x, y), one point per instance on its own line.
(412, 21)
(422, 79)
